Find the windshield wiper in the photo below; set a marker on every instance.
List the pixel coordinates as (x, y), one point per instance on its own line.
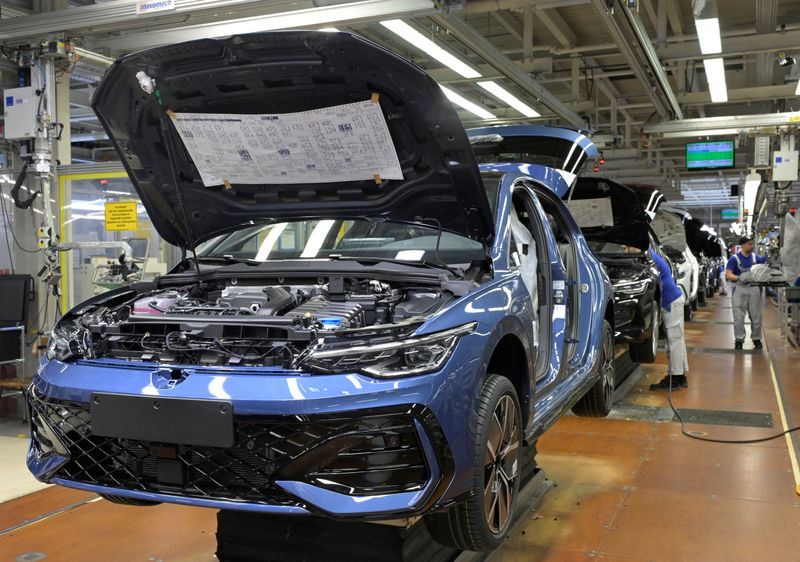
(424, 263)
(228, 259)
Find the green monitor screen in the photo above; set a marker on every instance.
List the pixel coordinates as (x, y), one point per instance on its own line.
(729, 214)
(710, 155)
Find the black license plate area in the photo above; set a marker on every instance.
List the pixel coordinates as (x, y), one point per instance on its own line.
(205, 423)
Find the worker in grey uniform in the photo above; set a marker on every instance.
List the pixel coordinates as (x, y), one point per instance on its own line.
(745, 298)
(672, 301)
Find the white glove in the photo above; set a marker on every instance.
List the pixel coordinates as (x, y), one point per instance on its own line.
(744, 278)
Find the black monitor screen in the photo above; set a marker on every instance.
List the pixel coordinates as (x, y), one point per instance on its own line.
(14, 292)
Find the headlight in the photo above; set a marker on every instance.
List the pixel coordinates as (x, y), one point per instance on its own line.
(630, 287)
(413, 356)
(67, 342)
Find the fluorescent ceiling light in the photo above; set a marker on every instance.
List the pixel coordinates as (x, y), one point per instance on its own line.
(751, 184)
(418, 40)
(715, 75)
(464, 103)
(708, 36)
(502, 94)
(329, 29)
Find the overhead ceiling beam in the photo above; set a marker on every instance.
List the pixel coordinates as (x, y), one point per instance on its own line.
(292, 18)
(735, 45)
(739, 95)
(624, 45)
(674, 16)
(509, 23)
(556, 25)
(483, 6)
(655, 64)
(482, 47)
(691, 127)
(111, 16)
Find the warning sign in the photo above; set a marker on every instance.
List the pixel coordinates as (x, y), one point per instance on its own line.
(121, 215)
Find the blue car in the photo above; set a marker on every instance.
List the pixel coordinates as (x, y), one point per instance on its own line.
(338, 342)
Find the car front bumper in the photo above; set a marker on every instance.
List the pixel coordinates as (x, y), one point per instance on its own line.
(629, 324)
(346, 446)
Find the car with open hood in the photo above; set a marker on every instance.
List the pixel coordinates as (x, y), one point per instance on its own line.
(365, 325)
(613, 220)
(616, 226)
(668, 225)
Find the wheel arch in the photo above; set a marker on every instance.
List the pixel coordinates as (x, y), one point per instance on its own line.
(509, 354)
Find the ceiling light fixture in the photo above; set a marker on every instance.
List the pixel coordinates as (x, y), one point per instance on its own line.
(418, 40)
(464, 103)
(708, 35)
(513, 101)
(751, 184)
(715, 75)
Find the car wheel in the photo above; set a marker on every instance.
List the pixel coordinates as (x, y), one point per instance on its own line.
(645, 352)
(687, 312)
(711, 292)
(701, 297)
(596, 403)
(122, 500)
(481, 522)
(694, 304)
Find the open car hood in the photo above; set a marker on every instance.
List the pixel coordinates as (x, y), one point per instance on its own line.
(609, 211)
(563, 150)
(269, 75)
(669, 228)
(651, 198)
(700, 240)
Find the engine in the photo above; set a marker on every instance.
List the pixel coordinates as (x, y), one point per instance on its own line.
(233, 324)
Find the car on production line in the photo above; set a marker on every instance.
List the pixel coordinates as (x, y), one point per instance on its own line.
(346, 343)
(705, 246)
(614, 223)
(668, 226)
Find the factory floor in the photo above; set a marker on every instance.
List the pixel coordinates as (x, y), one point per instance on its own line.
(629, 488)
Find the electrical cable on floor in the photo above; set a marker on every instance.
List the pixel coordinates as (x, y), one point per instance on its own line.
(713, 440)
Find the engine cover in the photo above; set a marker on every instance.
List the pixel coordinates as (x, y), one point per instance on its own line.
(350, 314)
(269, 301)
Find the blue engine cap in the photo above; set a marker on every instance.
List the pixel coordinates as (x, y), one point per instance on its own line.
(330, 323)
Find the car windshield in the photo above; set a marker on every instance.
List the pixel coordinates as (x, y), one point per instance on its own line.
(322, 238)
(600, 247)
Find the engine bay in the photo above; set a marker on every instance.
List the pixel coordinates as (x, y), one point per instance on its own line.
(226, 323)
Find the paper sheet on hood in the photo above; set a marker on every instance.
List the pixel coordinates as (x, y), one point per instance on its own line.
(589, 213)
(340, 143)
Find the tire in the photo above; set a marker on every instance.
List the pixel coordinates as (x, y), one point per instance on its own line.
(474, 524)
(122, 500)
(687, 312)
(694, 304)
(596, 403)
(701, 297)
(711, 292)
(645, 352)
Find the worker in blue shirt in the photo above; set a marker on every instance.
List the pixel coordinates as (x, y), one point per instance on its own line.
(672, 301)
(745, 299)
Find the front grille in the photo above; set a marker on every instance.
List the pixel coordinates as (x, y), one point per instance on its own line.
(372, 454)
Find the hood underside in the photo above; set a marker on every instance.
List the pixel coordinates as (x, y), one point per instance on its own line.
(610, 212)
(670, 230)
(271, 77)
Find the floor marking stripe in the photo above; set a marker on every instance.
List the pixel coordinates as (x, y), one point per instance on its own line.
(790, 445)
(45, 516)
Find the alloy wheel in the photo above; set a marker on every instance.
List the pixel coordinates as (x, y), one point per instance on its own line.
(501, 464)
